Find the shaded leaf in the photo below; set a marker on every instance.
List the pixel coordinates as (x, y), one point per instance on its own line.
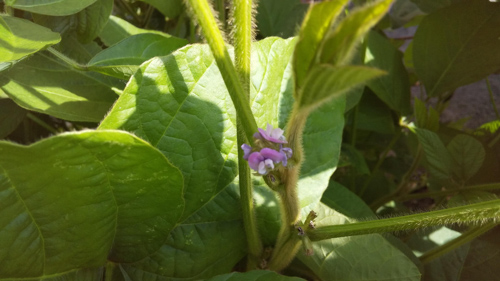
(169, 8)
(355, 159)
(430, 6)
(123, 59)
(50, 7)
(393, 88)
(468, 155)
(344, 201)
(256, 275)
(46, 85)
(279, 17)
(340, 43)
(457, 45)
(85, 199)
(20, 38)
(438, 158)
(316, 24)
(11, 115)
(117, 29)
(374, 115)
(366, 257)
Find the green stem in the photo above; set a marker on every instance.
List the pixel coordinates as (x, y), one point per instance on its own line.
(221, 11)
(206, 19)
(379, 163)
(466, 237)
(492, 99)
(41, 123)
(489, 186)
(474, 213)
(67, 60)
(242, 48)
(109, 271)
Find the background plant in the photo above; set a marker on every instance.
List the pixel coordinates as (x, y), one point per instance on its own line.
(143, 178)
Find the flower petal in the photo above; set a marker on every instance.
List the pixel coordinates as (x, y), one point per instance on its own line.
(247, 150)
(272, 154)
(254, 159)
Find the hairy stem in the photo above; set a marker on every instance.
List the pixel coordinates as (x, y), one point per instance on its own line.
(466, 237)
(203, 14)
(242, 47)
(469, 214)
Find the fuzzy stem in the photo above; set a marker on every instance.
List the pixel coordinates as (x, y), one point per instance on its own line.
(474, 213)
(203, 13)
(466, 237)
(288, 243)
(242, 47)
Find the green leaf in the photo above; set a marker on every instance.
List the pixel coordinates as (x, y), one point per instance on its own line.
(117, 29)
(255, 275)
(438, 158)
(430, 6)
(393, 88)
(46, 85)
(316, 24)
(325, 82)
(11, 115)
(20, 38)
(85, 25)
(426, 119)
(169, 8)
(50, 7)
(366, 257)
(344, 201)
(279, 17)
(457, 45)
(355, 159)
(123, 59)
(468, 156)
(340, 43)
(374, 115)
(84, 199)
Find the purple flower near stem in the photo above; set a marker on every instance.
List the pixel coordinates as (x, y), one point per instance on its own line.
(287, 152)
(264, 160)
(246, 150)
(271, 134)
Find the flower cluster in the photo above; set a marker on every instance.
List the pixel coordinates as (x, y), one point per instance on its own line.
(268, 151)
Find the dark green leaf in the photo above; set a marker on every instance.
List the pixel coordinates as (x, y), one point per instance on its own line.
(457, 45)
(117, 29)
(123, 59)
(256, 275)
(340, 44)
(325, 82)
(393, 88)
(355, 159)
(50, 7)
(280, 17)
(169, 8)
(342, 200)
(438, 158)
(430, 6)
(11, 115)
(20, 38)
(366, 257)
(316, 24)
(374, 115)
(468, 156)
(84, 199)
(46, 85)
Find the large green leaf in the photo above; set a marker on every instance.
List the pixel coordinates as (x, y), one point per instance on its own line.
(344, 201)
(117, 29)
(316, 24)
(123, 59)
(325, 82)
(169, 8)
(50, 7)
(457, 45)
(439, 160)
(279, 17)
(468, 156)
(11, 115)
(86, 24)
(20, 38)
(87, 196)
(46, 85)
(366, 257)
(339, 45)
(393, 88)
(256, 275)
(430, 6)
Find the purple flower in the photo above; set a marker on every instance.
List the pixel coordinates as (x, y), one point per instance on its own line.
(271, 134)
(264, 160)
(287, 152)
(246, 150)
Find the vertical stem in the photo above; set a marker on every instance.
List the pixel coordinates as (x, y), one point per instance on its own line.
(206, 19)
(221, 10)
(242, 46)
